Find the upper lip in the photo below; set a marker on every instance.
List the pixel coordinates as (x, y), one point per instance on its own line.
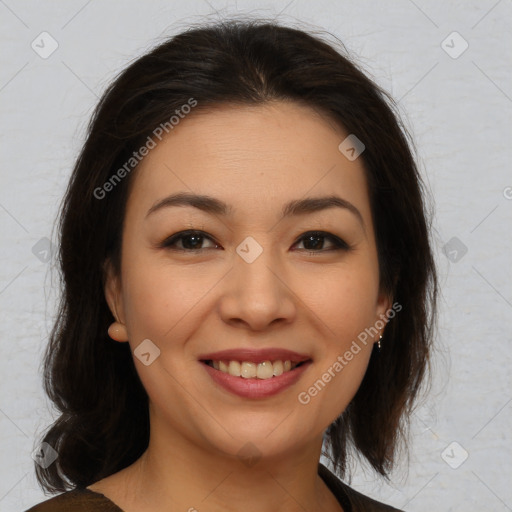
(255, 355)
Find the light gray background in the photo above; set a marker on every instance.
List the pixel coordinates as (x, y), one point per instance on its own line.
(459, 112)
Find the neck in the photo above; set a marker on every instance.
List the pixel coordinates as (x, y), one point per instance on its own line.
(174, 472)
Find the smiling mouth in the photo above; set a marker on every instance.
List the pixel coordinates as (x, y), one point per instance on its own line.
(249, 370)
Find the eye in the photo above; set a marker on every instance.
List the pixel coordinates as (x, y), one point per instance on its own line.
(314, 242)
(190, 240)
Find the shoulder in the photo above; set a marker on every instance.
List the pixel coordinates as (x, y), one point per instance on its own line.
(78, 500)
(350, 499)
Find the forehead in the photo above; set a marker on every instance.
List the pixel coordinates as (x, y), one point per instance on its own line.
(251, 157)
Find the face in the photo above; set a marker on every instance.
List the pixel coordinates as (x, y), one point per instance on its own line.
(245, 282)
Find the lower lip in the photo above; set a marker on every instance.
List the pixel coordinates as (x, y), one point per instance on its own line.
(256, 388)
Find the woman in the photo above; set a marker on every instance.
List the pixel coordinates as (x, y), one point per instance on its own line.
(247, 277)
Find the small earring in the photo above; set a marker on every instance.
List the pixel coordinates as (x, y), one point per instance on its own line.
(378, 343)
(117, 331)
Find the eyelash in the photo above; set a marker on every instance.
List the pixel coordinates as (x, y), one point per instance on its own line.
(339, 244)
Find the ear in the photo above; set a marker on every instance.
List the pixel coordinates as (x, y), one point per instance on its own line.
(384, 302)
(113, 295)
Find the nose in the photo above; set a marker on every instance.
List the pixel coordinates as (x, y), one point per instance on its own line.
(257, 295)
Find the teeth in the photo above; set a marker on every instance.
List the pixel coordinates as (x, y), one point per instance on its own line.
(234, 368)
(265, 370)
(278, 368)
(249, 370)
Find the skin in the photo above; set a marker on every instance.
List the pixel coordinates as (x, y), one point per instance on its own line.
(256, 159)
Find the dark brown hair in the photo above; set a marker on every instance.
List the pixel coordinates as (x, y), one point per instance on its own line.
(104, 421)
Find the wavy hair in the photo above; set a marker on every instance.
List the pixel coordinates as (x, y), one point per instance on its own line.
(103, 424)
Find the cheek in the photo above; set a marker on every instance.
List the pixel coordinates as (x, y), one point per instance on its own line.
(344, 300)
(345, 303)
(155, 300)
(162, 300)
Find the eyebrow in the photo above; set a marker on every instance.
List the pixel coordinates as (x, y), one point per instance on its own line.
(215, 206)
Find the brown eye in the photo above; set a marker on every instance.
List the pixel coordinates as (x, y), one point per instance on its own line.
(314, 242)
(190, 240)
